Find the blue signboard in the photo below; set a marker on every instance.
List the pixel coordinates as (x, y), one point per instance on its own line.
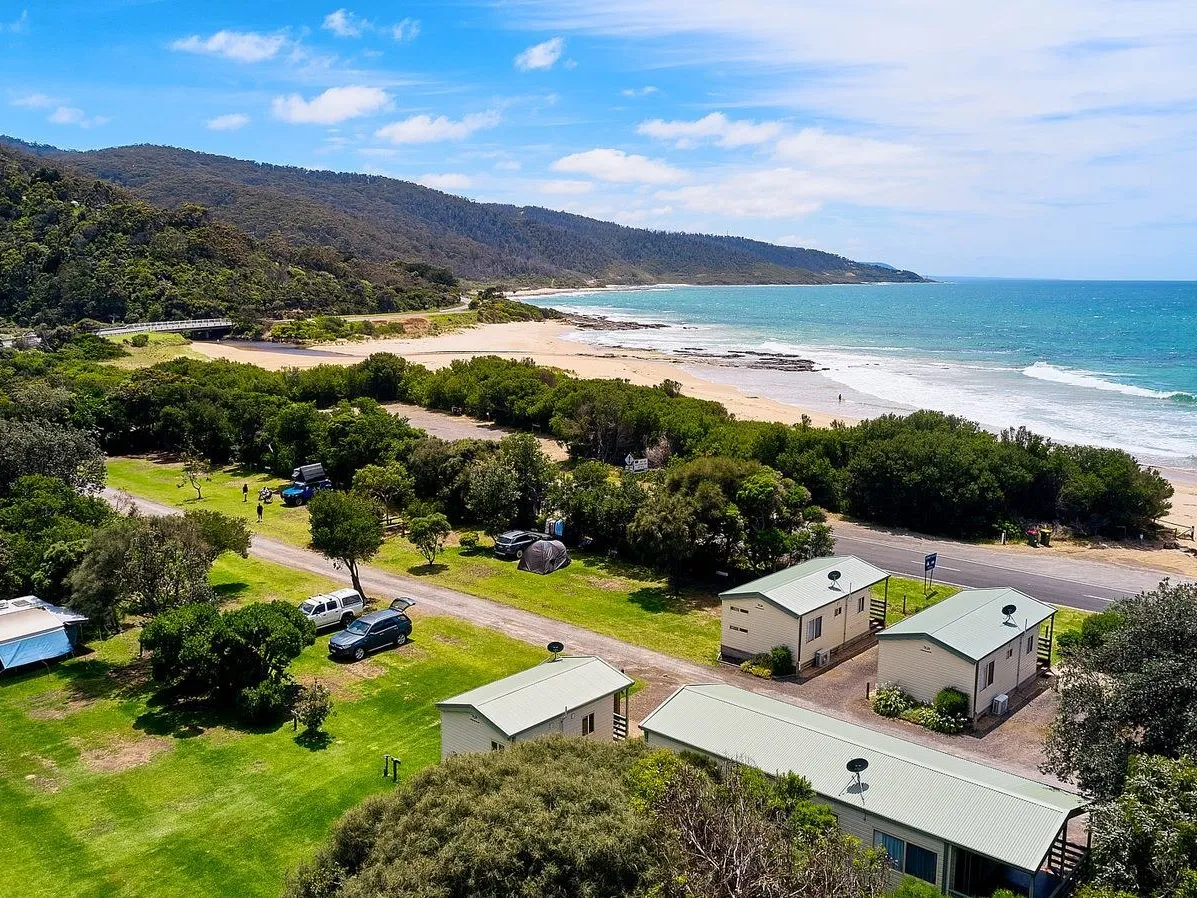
(929, 561)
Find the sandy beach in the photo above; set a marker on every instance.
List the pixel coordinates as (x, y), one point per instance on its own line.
(548, 343)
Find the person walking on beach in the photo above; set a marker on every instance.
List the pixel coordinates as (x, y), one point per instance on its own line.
(841, 399)
(245, 492)
(259, 512)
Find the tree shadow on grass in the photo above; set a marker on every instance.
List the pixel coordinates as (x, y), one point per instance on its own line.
(93, 679)
(427, 570)
(185, 718)
(228, 591)
(317, 740)
(660, 600)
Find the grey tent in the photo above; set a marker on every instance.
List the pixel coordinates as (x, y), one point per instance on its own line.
(544, 556)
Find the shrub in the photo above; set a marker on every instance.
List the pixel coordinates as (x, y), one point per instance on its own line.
(951, 703)
(891, 701)
(913, 887)
(265, 702)
(781, 661)
(140, 340)
(926, 716)
(759, 666)
(469, 541)
(312, 707)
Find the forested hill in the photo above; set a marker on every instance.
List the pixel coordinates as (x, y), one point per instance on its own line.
(381, 218)
(73, 248)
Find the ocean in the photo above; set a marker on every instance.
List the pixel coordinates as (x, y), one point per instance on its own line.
(1109, 363)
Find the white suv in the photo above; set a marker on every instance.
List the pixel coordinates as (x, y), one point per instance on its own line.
(335, 608)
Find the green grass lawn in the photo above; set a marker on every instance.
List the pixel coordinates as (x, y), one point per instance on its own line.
(160, 481)
(106, 793)
(619, 600)
(161, 348)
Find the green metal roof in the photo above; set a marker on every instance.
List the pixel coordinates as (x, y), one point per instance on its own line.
(530, 697)
(805, 587)
(971, 623)
(1006, 817)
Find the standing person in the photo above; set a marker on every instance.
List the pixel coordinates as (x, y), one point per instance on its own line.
(259, 512)
(245, 492)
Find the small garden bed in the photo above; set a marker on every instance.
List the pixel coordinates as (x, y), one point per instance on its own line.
(777, 662)
(949, 714)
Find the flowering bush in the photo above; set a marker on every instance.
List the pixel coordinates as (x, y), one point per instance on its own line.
(890, 701)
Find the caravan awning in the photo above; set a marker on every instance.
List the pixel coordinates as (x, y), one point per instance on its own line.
(31, 635)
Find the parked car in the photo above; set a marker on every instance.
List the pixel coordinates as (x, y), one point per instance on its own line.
(370, 631)
(300, 493)
(512, 543)
(339, 607)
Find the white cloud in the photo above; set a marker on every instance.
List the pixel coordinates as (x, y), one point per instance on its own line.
(337, 104)
(608, 164)
(35, 101)
(508, 165)
(446, 181)
(72, 115)
(426, 129)
(406, 30)
(771, 193)
(716, 127)
(566, 186)
(639, 91)
(343, 23)
(243, 46)
(17, 25)
(541, 56)
(230, 122)
(817, 148)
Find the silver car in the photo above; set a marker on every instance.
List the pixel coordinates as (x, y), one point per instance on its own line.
(336, 608)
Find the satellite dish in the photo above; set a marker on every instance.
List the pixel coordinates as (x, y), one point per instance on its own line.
(1009, 610)
(555, 648)
(834, 576)
(858, 766)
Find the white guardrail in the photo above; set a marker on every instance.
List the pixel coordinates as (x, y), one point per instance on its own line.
(196, 324)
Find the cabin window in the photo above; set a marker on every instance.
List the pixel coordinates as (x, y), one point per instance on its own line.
(987, 675)
(496, 746)
(738, 608)
(1010, 652)
(739, 629)
(837, 611)
(588, 724)
(895, 848)
(1030, 643)
(860, 604)
(814, 628)
(920, 862)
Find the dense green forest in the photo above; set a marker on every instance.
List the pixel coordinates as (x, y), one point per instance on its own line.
(73, 248)
(378, 218)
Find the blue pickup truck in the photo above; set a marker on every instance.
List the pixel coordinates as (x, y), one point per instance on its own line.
(306, 481)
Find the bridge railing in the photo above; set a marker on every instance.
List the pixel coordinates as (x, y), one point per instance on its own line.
(195, 324)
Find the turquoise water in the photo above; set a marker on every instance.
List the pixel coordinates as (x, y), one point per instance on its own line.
(1111, 363)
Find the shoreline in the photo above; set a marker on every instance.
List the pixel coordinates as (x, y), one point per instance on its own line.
(549, 343)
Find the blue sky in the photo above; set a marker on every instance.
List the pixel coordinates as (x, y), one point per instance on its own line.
(1021, 139)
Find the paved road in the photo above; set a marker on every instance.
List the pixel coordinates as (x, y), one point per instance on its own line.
(1061, 580)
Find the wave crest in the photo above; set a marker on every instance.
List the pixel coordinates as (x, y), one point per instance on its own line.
(1094, 381)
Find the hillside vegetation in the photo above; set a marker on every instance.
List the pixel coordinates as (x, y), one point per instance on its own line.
(74, 248)
(378, 218)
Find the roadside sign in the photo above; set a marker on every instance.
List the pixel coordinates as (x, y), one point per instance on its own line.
(928, 572)
(635, 465)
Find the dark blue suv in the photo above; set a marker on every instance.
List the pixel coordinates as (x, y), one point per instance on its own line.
(371, 631)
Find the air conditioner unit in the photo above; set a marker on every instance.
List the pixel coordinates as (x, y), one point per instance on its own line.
(822, 657)
(1001, 704)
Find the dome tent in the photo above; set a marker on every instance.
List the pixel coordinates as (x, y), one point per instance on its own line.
(544, 556)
